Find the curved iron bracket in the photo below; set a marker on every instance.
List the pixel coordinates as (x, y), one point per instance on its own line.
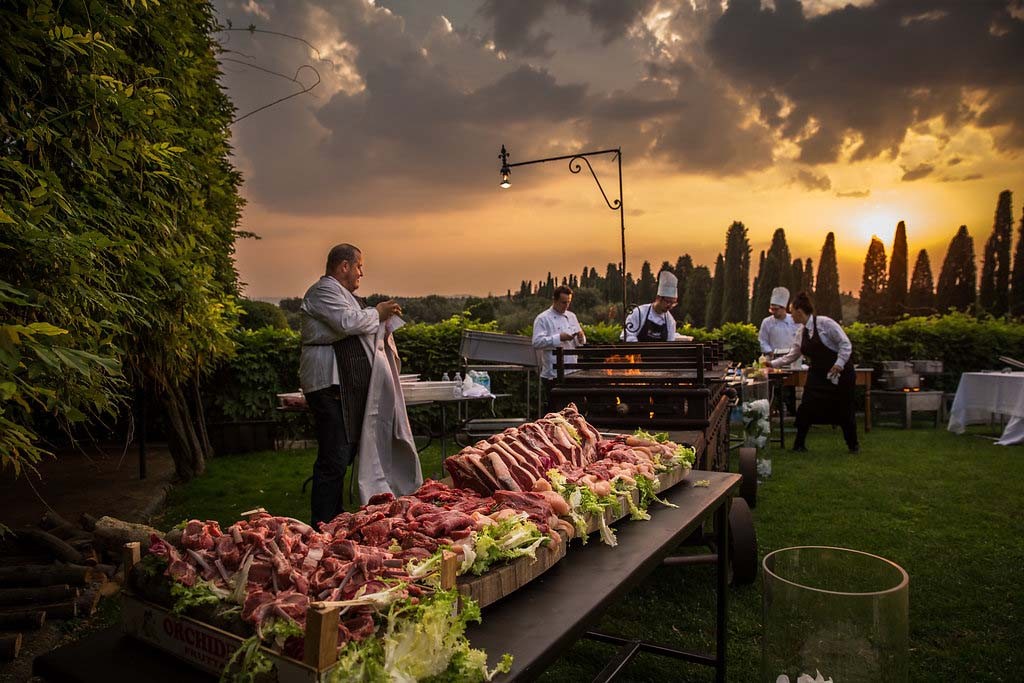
(575, 167)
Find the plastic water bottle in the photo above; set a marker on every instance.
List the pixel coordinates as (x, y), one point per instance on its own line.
(458, 377)
(485, 380)
(445, 378)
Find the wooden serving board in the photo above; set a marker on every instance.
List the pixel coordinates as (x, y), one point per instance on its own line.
(501, 580)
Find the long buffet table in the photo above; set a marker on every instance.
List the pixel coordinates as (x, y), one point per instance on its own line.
(534, 624)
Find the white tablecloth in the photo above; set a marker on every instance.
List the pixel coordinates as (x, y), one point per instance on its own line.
(982, 393)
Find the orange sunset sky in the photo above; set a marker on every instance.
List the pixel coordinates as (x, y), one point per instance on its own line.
(811, 116)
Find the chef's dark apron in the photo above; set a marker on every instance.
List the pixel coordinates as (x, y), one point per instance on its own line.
(824, 402)
(354, 378)
(651, 331)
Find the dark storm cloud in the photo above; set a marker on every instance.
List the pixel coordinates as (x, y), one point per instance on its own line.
(854, 194)
(516, 25)
(875, 70)
(916, 173)
(811, 180)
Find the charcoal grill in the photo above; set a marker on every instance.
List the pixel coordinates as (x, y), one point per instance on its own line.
(665, 385)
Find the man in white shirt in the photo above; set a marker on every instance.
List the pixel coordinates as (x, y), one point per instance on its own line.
(778, 331)
(557, 327)
(349, 374)
(652, 322)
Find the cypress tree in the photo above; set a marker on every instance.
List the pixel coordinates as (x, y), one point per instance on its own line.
(921, 298)
(736, 290)
(958, 277)
(613, 284)
(584, 281)
(796, 280)
(872, 288)
(756, 289)
(896, 286)
(777, 272)
(1017, 284)
(684, 266)
(646, 286)
(827, 301)
(695, 297)
(993, 295)
(808, 278)
(713, 317)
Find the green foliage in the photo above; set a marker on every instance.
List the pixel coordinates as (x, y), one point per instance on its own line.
(957, 280)
(1017, 276)
(432, 350)
(118, 205)
(265, 363)
(603, 333)
(872, 288)
(736, 288)
(896, 284)
(921, 297)
(826, 299)
(962, 342)
(713, 317)
(259, 314)
(994, 288)
(776, 271)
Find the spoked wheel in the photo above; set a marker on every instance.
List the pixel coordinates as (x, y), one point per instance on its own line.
(748, 470)
(742, 543)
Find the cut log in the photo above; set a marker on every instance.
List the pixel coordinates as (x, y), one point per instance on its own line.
(89, 556)
(111, 534)
(10, 597)
(61, 527)
(24, 559)
(48, 575)
(87, 521)
(51, 544)
(60, 610)
(107, 570)
(10, 646)
(25, 619)
(87, 603)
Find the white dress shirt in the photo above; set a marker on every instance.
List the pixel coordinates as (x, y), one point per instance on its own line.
(635, 322)
(329, 313)
(832, 336)
(778, 335)
(547, 335)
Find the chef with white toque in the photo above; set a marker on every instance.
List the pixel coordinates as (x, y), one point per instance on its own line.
(652, 322)
(778, 331)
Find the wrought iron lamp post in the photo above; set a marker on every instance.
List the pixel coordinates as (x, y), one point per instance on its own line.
(576, 167)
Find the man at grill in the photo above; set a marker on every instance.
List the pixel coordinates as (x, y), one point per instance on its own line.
(778, 331)
(556, 327)
(349, 373)
(828, 393)
(652, 322)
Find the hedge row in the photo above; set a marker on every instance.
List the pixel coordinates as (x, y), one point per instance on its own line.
(266, 362)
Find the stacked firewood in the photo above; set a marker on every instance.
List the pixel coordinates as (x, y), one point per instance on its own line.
(57, 571)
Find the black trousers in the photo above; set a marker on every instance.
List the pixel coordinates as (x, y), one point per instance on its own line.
(847, 422)
(335, 452)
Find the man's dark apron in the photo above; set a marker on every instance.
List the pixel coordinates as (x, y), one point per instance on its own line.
(354, 377)
(651, 331)
(825, 402)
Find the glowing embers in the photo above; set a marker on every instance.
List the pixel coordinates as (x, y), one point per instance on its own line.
(631, 358)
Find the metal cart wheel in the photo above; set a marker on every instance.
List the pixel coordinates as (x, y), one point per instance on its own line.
(748, 470)
(742, 543)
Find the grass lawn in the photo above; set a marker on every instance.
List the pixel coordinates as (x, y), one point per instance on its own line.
(948, 509)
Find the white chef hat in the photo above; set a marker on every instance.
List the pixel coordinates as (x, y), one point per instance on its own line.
(780, 297)
(668, 284)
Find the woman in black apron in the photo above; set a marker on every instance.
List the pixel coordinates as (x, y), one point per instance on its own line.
(828, 392)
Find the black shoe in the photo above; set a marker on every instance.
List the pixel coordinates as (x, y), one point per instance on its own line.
(854, 450)
(799, 448)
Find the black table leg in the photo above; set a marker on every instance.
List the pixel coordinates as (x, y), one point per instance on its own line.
(721, 621)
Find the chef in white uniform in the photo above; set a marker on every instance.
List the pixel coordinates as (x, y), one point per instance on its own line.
(652, 322)
(778, 331)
